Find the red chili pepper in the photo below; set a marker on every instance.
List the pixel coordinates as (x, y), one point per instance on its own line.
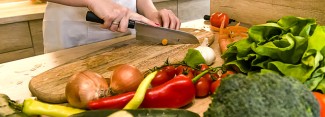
(112, 102)
(174, 93)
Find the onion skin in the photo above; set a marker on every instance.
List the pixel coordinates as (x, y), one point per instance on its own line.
(85, 86)
(125, 78)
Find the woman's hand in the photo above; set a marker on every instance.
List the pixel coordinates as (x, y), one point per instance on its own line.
(115, 16)
(165, 18)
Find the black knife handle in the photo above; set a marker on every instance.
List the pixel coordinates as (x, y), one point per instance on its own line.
(90, 16)
(207, 18)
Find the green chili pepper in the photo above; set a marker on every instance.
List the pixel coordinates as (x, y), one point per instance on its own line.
(34, 107)
(141, 91)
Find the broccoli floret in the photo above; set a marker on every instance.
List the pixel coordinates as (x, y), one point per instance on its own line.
(262, 95)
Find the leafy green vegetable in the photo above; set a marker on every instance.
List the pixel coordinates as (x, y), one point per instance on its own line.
(262, 95)
(292, 46)
(193, 58)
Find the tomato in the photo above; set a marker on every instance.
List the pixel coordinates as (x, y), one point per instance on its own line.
(321, 100)
(171, 71)
(206, 76)
(180, 69)
(215, 85)
(160, 78)
(189, 74)
(202, 87)
(217, 18)
(215, 76)
(227, 73)
(204, 67)
(188, 71)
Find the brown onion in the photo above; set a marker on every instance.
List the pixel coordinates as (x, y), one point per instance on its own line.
(125, 78)
(85, 86)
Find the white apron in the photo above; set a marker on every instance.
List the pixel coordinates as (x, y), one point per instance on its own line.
(66, 26)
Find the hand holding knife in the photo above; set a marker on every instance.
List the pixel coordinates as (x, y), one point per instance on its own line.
(152, 34)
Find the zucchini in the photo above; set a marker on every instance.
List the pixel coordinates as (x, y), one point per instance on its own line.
(138, 113)
(10, 108)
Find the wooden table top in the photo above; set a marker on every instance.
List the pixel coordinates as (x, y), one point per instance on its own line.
(15, 75)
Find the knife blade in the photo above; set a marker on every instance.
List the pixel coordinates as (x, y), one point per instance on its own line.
(153, 34)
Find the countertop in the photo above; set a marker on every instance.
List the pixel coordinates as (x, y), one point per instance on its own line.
(18, 11)
(24, 10)
(15, 75)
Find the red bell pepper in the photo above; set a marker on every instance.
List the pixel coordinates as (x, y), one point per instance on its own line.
(174, 93)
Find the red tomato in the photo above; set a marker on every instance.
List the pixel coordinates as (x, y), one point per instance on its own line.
(171, 71)
(321, 100)
(187, 71)
(217, 18)
(215, 76)
(180, 69)
(160, 78)
(227, 73)
(202, 87)
(215, 85)
(202, 68)
(189, 74)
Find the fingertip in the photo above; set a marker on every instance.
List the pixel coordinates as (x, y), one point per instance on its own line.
(157, 24)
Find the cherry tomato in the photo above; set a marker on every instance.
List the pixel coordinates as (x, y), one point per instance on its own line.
(202, 87)
(160, 78)
(215, 76)
(215, 85)
(180, 69)
(171, 71)
(217, 18)
(321, 100)
(187, 71)
(227, 73)
(202, 68)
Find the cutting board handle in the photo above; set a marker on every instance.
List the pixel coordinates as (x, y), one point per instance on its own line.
(90, 16)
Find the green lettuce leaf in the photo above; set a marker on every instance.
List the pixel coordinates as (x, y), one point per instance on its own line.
(292, 46)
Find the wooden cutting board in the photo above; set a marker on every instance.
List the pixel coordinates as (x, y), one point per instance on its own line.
(49, 86)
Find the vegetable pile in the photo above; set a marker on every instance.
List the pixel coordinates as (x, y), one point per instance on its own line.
(291, 46)
(262, 95)
(277, 58)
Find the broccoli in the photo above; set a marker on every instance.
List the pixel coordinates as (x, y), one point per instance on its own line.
(262, 95)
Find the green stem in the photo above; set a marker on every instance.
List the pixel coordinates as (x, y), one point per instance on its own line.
(136, 101)
(34, 107)
(196, 78)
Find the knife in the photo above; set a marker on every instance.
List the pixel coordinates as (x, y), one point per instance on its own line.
(153, 34)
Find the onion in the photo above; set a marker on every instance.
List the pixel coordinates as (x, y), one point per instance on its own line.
(125, 78)
(85, 86)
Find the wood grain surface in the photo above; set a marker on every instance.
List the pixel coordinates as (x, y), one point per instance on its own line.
(49, 86)
(259, 11)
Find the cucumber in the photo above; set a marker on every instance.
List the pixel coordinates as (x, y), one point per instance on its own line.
(138, 113)
(9, 108)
